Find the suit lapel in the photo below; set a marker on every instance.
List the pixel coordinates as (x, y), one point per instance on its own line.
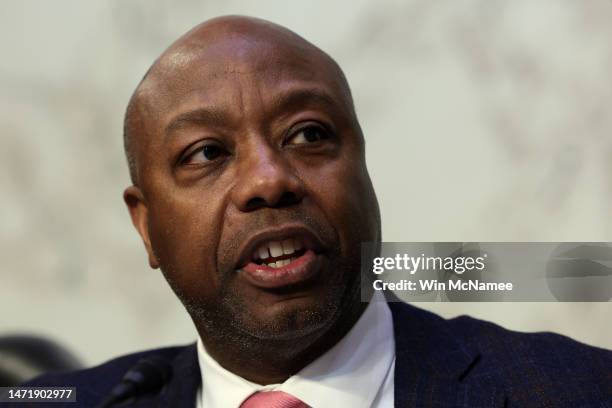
(432, 366)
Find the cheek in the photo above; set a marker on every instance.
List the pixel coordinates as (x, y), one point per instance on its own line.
(184, 238)
(345, 193)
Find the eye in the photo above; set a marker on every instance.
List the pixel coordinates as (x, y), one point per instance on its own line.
(308, 134)
(211, 152)
(203, 154)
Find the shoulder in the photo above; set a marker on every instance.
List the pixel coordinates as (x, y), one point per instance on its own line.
(540, 366)
(549, 351)
(94, 383)
(556, 367)
(493, 340)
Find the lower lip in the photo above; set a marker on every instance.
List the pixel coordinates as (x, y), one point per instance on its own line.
(295, 272)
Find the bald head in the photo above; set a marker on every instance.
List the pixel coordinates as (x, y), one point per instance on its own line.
(234, 45)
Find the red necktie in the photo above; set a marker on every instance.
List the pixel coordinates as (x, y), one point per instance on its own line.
(272, 399)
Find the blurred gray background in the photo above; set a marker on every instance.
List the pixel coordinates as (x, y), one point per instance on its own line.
(485, 120)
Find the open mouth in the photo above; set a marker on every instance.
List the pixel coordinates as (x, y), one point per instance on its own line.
(282, 257)
(276, 254)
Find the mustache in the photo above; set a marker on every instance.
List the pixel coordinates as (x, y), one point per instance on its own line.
(256, 221)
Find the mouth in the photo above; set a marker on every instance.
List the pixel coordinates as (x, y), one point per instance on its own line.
(276, 254)
(281, 257)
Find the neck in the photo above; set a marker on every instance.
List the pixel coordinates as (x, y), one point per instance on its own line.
(274, 361)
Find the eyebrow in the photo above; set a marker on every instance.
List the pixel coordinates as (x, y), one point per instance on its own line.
(291, 100)
(201, 116)
(295, 99)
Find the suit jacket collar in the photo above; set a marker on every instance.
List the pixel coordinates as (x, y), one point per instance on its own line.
(183, 386)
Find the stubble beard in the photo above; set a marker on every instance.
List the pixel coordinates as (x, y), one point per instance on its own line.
(228, 320)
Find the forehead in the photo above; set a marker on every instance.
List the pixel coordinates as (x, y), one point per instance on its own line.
(222, 71)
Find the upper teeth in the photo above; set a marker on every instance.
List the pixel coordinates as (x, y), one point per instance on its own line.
(277, 248)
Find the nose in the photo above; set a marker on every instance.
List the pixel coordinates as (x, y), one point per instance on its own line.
(266, 179)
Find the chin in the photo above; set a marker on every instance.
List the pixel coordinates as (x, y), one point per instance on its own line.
(289, 319)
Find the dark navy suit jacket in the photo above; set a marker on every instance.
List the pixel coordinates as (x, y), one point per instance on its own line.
(461, 362)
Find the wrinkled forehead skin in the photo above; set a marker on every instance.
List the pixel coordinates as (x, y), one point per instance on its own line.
(206, 63)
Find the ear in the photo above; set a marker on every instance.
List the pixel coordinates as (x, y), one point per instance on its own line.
(134, 199)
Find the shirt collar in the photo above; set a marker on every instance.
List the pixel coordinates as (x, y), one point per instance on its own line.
(349, 374)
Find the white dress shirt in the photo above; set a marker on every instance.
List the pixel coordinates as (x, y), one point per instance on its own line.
(356, 372)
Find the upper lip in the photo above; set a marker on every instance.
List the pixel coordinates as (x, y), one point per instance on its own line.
(308, 238)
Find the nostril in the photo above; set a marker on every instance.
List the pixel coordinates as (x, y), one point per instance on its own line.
(286, 199)
(255, 203)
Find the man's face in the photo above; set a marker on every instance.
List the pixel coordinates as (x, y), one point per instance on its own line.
(254, 191)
